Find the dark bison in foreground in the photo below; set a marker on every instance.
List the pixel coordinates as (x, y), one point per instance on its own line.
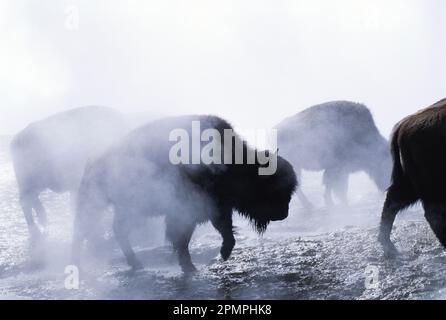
(137, 179)
(52, 153)
(339, 138)
(419, 171)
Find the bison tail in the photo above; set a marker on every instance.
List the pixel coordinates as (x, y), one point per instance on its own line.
(398, 170)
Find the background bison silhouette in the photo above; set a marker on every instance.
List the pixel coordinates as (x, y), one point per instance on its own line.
(52, 153)
(338, 138)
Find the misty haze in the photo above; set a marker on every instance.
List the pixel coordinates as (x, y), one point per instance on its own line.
(92, 91)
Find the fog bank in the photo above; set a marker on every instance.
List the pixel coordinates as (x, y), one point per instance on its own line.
(253, 62)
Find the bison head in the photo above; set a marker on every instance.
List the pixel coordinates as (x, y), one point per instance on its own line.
(266, 198)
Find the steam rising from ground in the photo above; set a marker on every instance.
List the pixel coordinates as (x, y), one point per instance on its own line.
(319, 255)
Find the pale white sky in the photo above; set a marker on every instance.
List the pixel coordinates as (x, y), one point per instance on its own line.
(251, 61)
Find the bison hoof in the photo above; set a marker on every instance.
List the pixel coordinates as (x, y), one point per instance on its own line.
(226, 252)
(188, 268)
(136, 265)
(390, 251)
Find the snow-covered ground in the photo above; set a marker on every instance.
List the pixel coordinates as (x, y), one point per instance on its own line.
(322, 254)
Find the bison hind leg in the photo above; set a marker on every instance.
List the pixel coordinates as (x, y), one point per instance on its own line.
(397, 199)
(121, 229)
(435, 214)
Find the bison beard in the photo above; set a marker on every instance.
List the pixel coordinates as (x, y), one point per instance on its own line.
(137, 179)
(419, 158)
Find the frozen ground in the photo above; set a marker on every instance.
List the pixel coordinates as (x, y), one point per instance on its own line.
(322, 254)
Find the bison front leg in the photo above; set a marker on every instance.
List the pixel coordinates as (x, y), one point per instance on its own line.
(179, 233)
(77, 242)
(436, 216)
(26, 201)
(388, 215)
(300, 194)
(397, 199)
(223, 224)
(121, 229)
(335, 180)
